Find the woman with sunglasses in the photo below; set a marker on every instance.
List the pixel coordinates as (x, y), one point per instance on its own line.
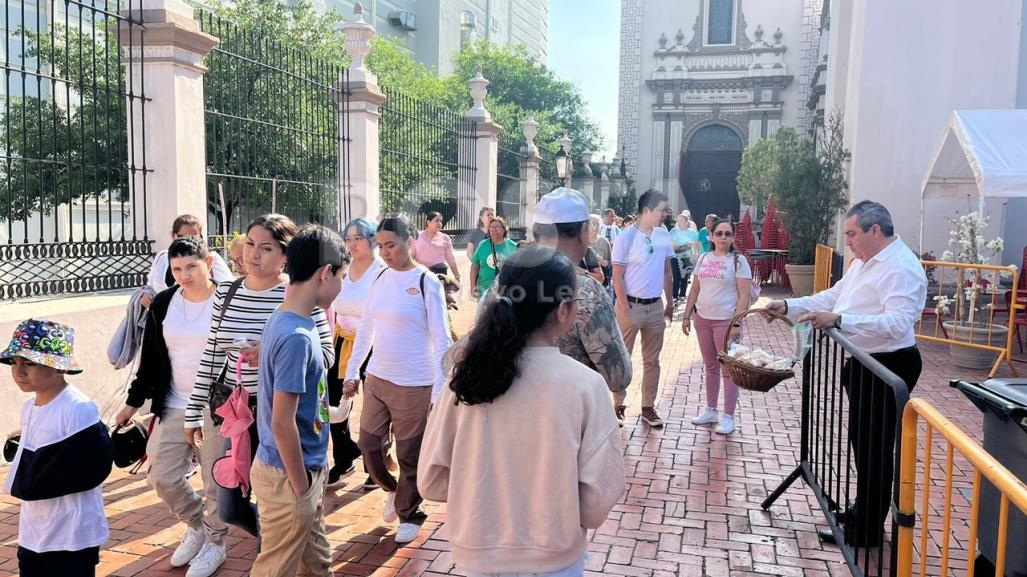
(721, 285)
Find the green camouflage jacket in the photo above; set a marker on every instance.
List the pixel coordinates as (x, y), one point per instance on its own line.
(595, 340)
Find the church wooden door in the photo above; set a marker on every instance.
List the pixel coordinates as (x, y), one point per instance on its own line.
(709, 170)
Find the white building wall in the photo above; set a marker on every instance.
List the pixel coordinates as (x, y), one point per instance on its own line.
(909, 65)
(656, 17)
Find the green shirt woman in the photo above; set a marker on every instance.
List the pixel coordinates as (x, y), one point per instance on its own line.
(489, 256)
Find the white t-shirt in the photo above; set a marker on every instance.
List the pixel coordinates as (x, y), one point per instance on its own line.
(644, 258)
(349, 304)
(406, 333)
(718, 288)
(186, 328)
(69, 522)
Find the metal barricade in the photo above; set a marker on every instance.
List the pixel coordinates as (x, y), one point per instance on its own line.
(972, 292)
(951, 550)
(851, 418)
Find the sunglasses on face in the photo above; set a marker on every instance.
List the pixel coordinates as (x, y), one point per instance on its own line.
(724, 233)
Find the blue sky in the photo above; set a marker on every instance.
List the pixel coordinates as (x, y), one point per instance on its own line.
(584, 38)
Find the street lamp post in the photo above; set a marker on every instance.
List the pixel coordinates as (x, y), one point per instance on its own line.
(563, 168)
(564, 165)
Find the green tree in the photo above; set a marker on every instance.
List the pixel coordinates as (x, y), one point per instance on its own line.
(271, 125)
(520, 86)
(758, 175)
(811, 187)
(61, 151)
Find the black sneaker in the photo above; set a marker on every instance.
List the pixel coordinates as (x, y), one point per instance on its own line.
(618, 412)
(335, 475)
(369, 484)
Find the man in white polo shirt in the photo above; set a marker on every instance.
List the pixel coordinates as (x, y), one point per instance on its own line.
(641, 273)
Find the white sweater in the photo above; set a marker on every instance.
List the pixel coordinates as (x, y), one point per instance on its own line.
(526, 475)
(406, 332)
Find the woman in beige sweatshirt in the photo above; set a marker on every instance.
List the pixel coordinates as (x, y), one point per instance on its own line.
(521, 503)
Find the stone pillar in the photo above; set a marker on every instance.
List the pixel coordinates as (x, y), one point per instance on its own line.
(587, 181)
(486, 152)
(604, 186)
(529, 173)
(173, 131)
(365, 100)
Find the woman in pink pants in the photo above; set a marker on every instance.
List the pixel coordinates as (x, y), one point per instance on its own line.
(721, 285)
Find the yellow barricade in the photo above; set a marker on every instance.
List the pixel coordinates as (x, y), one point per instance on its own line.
(950, 549)
(985, 329)
(822, 268)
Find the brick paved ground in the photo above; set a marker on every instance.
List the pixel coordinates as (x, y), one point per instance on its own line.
(692, 505)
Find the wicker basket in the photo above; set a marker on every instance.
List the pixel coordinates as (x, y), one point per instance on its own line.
(751, 377)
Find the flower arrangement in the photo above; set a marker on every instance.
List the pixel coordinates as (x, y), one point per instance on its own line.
(968, 245)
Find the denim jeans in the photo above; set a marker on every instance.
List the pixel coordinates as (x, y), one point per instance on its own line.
(577, 569)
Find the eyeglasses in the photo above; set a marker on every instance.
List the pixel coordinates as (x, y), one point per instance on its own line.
(724, 233)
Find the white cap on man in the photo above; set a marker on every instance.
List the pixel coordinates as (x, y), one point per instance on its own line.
(560, 206)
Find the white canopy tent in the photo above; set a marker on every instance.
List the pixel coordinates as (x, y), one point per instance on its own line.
(983, 154)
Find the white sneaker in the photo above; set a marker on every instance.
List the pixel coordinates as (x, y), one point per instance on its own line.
(389, 514)
(208, 561)
(191, 544)
(407, 532)
(706, 416)
(726, 426)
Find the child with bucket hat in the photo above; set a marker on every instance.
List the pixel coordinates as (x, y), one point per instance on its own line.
(64, 455)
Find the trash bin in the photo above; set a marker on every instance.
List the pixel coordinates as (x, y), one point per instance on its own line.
(1004, 404)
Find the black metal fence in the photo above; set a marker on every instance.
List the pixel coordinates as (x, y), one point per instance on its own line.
(275, 141)
(72, 191)
(427, 161)
(546, 178)
(509, 193)
(851, 423)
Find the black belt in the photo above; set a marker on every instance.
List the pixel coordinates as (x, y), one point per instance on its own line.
(639, 301)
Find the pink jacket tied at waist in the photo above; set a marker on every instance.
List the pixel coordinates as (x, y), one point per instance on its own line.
(233, 470)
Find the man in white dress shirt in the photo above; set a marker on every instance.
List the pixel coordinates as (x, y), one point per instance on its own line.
(875, 305)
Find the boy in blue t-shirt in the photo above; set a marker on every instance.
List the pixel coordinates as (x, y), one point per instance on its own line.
(288, 475)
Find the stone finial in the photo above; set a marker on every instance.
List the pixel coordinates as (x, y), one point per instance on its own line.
(586, 159)
(358, 43)
(680, 37)
(663, 40)
(777, 36)
(758, 33)
(479, 91)
(565, 142)
(530, 130)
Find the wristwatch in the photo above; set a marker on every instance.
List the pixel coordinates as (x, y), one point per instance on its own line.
(838, 322)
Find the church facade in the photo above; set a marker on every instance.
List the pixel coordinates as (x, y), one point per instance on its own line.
(702, 79)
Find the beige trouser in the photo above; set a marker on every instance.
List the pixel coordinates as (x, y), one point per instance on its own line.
(292, 529)
(650, 322)
(170, 457)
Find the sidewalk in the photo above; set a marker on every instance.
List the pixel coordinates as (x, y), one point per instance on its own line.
(691, 508)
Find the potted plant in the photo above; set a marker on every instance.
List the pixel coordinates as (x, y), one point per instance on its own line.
(811, 187)
(972, 320)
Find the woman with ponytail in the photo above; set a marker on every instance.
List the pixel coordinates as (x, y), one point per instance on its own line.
(502, 517)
